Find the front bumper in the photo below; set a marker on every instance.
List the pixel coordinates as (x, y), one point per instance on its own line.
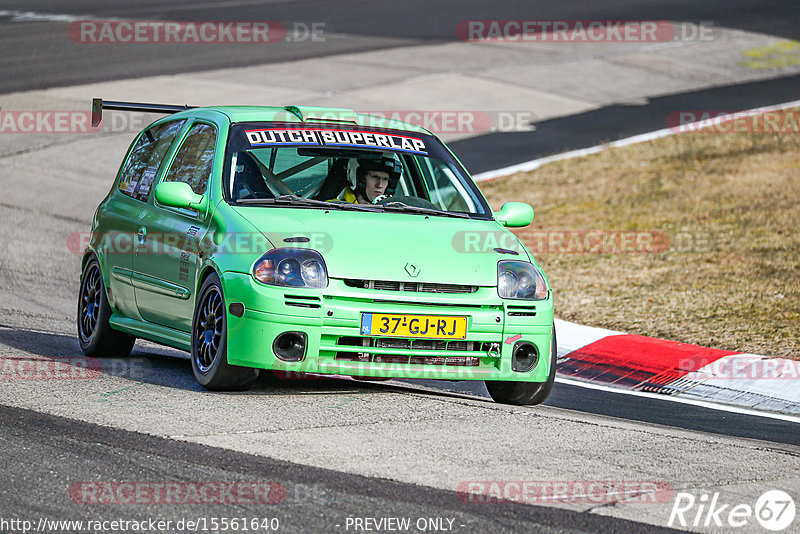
(331, 320)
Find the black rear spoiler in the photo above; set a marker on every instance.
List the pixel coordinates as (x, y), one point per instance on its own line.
(98, 105)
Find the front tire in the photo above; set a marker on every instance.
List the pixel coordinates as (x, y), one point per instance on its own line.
(525, 393)
(209, 343)
(96, 337)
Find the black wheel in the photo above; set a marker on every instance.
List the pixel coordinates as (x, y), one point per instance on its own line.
(525, 393)
(95, 335)
(209, 343)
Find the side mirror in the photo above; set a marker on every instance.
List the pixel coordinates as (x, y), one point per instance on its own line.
(178, 195)
(514, 214)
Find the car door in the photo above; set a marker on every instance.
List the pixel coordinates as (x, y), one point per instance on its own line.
(121, 213)
(166, 261)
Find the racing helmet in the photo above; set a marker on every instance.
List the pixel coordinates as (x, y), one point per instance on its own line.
(385, 163)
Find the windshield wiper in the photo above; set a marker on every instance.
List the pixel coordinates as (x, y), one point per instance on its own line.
(400, 206)
(288, 199)
(389, 206)
(357, 207)
(300, 201)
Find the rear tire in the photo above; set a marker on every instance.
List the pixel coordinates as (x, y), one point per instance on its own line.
(525, 393)
(96, 337)
(210, 340)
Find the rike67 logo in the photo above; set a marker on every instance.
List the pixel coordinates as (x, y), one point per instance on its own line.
(774, 510)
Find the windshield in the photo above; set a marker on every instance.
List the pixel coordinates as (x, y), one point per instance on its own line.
(310, 166)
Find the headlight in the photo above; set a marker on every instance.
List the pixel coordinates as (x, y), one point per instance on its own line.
(520, 280)
(293, 267)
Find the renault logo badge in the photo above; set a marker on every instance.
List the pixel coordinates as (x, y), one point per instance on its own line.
(412, 270)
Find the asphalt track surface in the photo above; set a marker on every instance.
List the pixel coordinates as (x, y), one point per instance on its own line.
(46, 455)
(49, 450)
(38, 55)
(652, 411)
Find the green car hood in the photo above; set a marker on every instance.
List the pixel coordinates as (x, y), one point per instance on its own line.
(386, 246)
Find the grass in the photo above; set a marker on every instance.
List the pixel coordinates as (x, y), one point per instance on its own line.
(728, 278)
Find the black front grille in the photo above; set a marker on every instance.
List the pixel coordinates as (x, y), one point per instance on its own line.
(414, 344)
(418, 287)
(459, 361)
(302, 301)
(482, 348)
(521, 311)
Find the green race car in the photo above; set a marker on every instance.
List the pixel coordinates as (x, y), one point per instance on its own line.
(312, 240)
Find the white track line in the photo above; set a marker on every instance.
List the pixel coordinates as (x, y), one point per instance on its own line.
(33, 16)
(700, 403)
(536, 163)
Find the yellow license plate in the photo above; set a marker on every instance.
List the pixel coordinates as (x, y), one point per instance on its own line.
(402, 325)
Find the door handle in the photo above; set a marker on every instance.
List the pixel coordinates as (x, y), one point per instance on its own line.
(141, 235)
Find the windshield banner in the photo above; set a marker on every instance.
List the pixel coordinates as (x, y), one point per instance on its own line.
(346, 138)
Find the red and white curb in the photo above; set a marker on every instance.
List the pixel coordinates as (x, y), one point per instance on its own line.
(680, 370)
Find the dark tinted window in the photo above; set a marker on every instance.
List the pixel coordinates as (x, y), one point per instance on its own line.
(195, 159)
(145, 159)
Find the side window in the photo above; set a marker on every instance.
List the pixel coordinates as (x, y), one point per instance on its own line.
(444, 188)
(195, 158)
(143, 163)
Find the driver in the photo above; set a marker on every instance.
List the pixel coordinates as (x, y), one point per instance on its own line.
(375, 179)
